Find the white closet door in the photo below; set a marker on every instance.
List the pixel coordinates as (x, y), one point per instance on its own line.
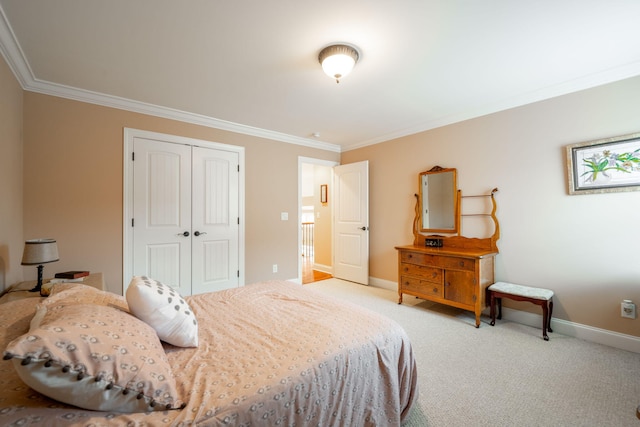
(162, 213)
(215, 259)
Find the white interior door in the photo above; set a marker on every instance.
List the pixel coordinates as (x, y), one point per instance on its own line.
(214, 220)
(161, 221)
(351, 222)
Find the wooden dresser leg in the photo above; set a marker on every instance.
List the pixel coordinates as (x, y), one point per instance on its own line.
(399, 297)
(550, 313)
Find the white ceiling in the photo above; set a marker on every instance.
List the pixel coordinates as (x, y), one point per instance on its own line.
(251, 65)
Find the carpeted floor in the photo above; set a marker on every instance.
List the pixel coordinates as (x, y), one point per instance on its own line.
(504, 375)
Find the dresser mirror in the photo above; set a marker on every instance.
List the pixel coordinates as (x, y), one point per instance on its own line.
(439, 200)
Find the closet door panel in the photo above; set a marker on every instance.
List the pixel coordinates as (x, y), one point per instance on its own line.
(215, 220)
(162, 213)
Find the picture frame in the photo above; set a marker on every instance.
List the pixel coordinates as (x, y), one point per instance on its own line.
(604, 166)
(323, 193)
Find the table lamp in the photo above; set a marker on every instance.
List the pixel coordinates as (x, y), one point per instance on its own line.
(38, 252)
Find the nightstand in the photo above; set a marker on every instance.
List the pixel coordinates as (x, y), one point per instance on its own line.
(22, 289)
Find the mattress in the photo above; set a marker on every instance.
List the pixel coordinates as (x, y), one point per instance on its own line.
(270, 353)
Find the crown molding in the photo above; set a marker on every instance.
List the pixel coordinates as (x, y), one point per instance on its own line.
(590, 81)
(11, 52)
(15, 58)
(68, 92)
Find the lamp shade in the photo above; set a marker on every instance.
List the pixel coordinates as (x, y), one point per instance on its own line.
(40, 251)
(338, 60)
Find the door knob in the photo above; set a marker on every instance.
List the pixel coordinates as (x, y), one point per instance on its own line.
(185, 234)
(197, 233)
(362, 228)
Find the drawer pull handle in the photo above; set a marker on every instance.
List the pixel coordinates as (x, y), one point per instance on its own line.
(434, 275)
(461, 263)
(435, 290)
(410, 256)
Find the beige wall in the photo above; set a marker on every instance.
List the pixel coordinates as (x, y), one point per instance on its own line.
(73, 186)
(11, 237)
(583, 247)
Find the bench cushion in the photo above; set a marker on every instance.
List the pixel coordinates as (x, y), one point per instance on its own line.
(520, 290)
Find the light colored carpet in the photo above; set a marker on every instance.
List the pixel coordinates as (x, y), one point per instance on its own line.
(504, 375)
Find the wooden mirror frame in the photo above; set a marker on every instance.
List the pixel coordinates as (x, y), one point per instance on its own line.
(449, 196)
(457, 242)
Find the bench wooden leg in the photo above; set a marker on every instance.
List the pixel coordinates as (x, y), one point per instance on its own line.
(493, 300)
(547, 310)
(545, 320)
(550, 313)
(492, 308)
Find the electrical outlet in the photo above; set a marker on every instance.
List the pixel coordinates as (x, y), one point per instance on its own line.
(275, 268)
(628, 309)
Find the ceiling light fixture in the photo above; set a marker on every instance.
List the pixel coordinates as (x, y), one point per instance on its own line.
(338, 60)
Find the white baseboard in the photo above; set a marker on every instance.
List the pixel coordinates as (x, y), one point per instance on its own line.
(385, 284)
(323, 268)
(577, 330)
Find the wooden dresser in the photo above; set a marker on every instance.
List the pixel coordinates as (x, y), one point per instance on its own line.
(457, 277)
(448, 269)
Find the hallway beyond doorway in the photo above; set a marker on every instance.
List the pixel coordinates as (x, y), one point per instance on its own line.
(309, 275)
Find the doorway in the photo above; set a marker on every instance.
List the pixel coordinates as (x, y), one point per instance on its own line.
(315, 217)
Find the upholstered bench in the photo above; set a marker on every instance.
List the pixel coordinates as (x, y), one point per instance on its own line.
(539, 296)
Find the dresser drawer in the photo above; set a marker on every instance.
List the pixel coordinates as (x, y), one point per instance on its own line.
(453, 263)
(441, 261)
(430, 274)
(423, 287)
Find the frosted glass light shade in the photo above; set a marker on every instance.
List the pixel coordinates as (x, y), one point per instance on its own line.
(338, 60)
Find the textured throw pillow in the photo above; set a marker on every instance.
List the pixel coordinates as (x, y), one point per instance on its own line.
(95, 357)
(164, 309)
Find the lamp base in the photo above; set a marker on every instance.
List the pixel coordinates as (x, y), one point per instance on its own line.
(38, 286)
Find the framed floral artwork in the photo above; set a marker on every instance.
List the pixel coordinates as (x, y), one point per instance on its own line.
(604, 166)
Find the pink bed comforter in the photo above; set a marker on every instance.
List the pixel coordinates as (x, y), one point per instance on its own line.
(271, 353)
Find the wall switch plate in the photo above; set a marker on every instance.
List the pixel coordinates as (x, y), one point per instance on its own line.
(275, 268)
(284, 216)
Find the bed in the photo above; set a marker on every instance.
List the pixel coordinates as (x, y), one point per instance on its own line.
(271, 353)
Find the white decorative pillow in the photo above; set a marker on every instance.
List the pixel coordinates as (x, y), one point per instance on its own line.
(95, 357)
(164, 309)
